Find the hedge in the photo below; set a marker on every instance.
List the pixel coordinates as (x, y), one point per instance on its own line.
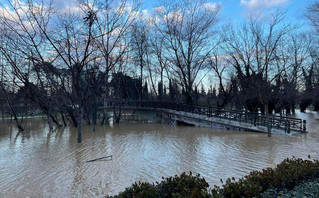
(285, 177)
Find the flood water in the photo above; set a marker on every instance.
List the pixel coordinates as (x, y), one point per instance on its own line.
(39, 163)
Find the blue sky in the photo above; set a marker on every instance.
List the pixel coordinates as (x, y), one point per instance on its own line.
(236, 10)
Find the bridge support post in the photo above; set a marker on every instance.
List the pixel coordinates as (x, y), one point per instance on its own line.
(268, 129)
(268, 120)
(304, 125)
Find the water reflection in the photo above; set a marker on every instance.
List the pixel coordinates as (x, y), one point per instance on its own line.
(40, 163)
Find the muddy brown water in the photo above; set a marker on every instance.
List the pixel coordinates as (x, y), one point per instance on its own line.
(39, 163)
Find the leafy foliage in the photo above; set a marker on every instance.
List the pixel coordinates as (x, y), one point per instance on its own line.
(287, 175)
(125, 87)
(185, 185)
(307, 189)
(140, 189)
(295, 177)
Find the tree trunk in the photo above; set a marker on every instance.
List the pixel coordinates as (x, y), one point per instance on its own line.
(3, 112)
(55, 121)
(12, 110)
(80, 123)
(63, 119)
(293, 110)
(104, 119)
(141, 85)
(49, 121)
(72, 116)
(94, 116)
(268, 121)
(117, 117)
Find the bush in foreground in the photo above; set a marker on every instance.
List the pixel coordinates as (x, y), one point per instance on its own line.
(185, 185)
(291, 175)
(286, 175)
(307, 189)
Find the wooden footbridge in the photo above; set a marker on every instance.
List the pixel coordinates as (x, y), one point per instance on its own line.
(214, 117)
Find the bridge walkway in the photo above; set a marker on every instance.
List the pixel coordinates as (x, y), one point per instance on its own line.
(215, 117)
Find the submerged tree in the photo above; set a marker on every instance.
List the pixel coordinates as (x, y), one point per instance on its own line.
(24, 49)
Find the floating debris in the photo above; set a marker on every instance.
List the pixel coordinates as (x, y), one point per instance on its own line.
(98, 159)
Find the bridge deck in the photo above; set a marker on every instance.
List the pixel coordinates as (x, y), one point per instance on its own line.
(209, 116)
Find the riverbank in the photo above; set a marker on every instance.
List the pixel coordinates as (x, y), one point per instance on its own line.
(291, 178)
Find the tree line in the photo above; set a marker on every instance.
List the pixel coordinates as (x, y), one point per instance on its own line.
(68, 62)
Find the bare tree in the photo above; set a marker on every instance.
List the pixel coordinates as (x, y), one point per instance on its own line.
(313, 14)
(159, 63)
(66, 55)
(252, 50)
(291, 56)
(24, 49)
(114, 19)
(140, 49)
(225, 84)
(188, 30)
(70, 38)
(4, 90)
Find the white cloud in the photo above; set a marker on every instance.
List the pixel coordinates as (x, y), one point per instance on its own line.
(211, 6)
(262, 4)
(159, 10)
(175, 17)
(61, 4)
(67, 6)
(16, 15)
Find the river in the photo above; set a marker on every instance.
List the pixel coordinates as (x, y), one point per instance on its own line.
(39, 163)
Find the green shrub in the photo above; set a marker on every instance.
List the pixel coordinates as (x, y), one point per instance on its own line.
(307, 189)
(286, 175)
(185, 185)
(140, 189)
(282, 181)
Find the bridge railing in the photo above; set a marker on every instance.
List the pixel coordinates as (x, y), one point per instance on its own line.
(285, 123)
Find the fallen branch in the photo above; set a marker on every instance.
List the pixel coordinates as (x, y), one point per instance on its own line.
(101, 158)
